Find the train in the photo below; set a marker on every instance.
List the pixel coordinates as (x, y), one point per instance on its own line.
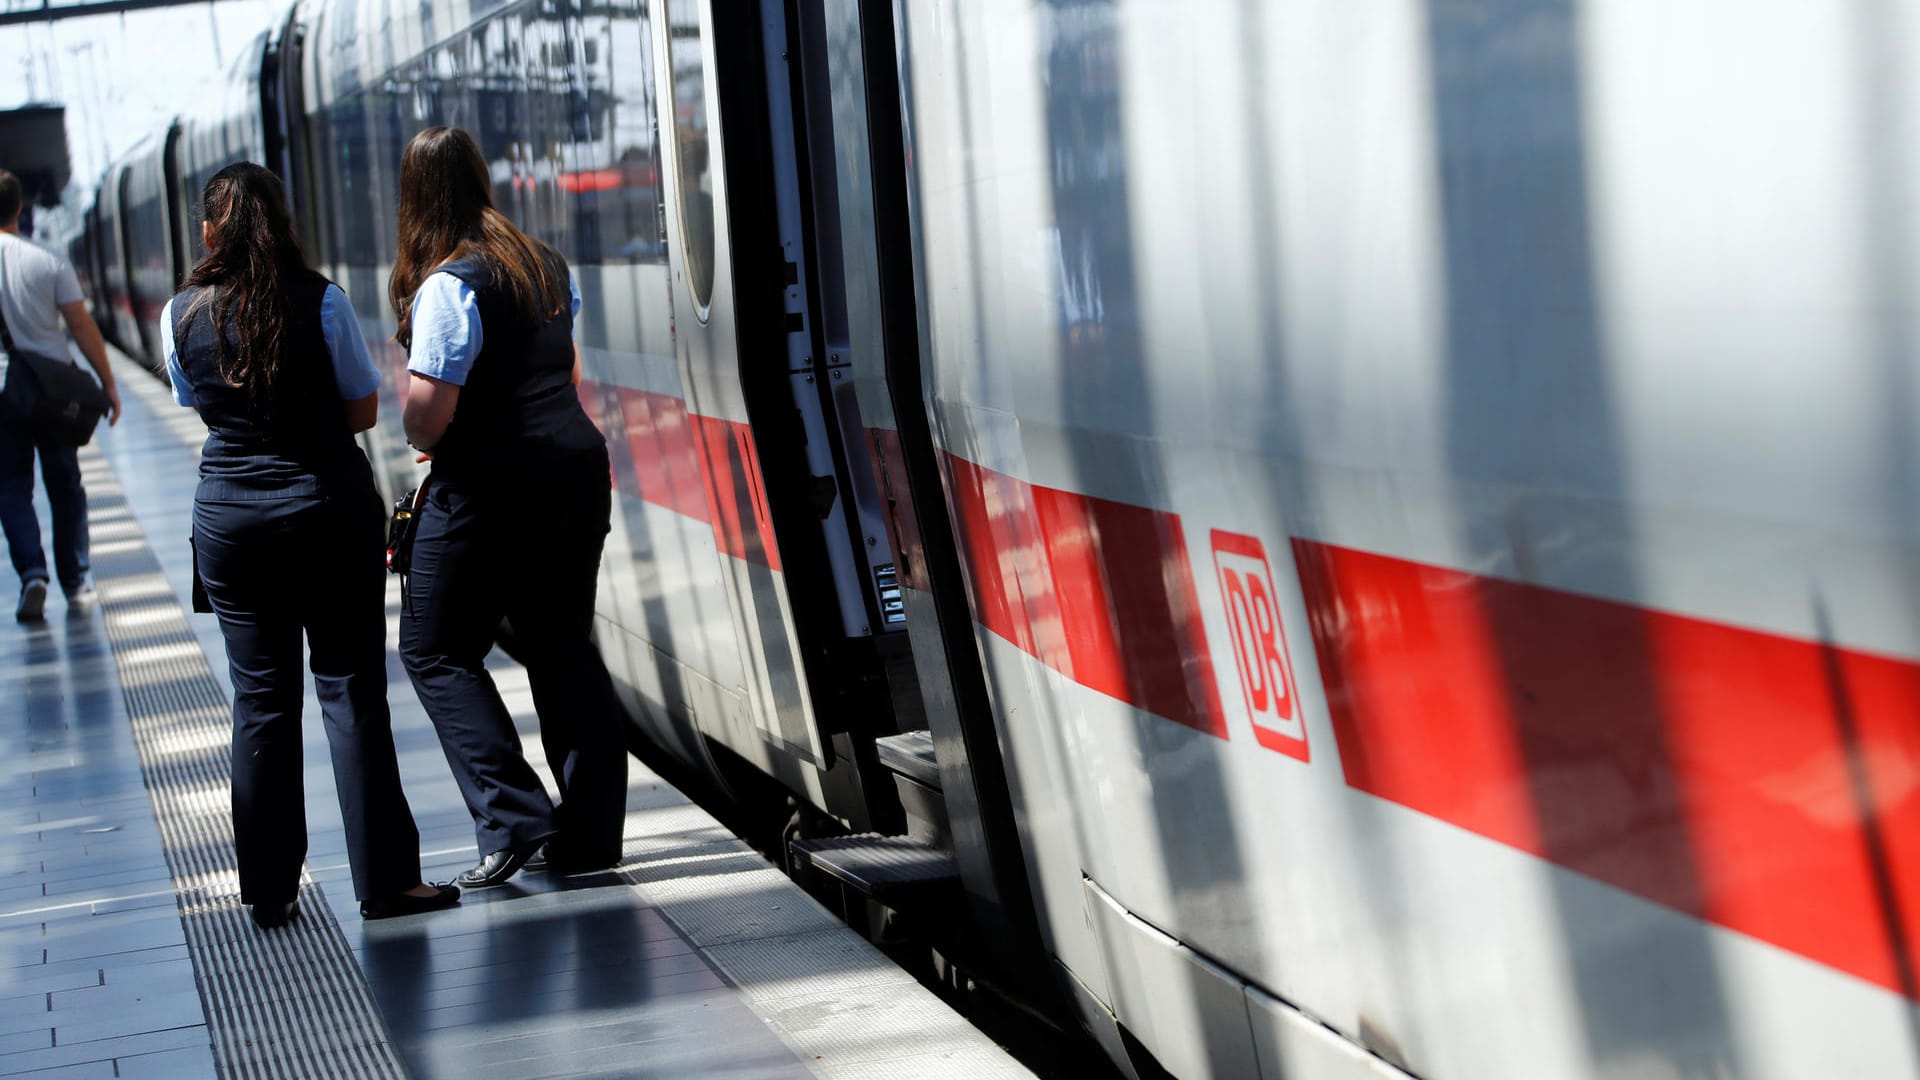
(1324, 539)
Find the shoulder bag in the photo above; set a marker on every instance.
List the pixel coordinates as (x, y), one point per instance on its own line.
(58, 401)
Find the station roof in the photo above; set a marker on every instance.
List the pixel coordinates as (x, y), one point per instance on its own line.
(33, 146)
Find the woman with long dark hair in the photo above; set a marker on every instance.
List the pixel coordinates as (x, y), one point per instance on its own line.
(516, 511)
(287, 529)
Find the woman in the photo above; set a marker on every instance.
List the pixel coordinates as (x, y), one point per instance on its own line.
(515, 513)
(288, 538)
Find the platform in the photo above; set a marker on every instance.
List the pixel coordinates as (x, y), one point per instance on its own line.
(127, 953)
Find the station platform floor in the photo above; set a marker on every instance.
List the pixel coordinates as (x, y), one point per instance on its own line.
(124, 950)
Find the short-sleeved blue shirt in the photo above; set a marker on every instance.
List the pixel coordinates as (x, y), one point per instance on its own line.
(353, 370)
(446, 327)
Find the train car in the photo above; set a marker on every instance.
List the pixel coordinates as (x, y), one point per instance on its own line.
(77, 245)
(1322, 540)
(229, 123)
(151, 211)
(1437, 488)
(91, 251)
(115, 296)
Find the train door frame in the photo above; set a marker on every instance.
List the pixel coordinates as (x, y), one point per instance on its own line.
(842, 700)
(289, 137)
(174, 208)
(951, 685)
(126, 327)
(706, 331)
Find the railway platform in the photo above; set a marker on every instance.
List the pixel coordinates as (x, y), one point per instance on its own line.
(128, 954)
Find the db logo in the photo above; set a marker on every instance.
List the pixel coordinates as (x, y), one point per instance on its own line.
(1259, 642)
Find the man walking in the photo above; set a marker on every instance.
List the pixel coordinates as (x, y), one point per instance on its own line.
(37, 293)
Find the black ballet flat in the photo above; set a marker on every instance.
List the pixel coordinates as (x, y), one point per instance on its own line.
(390, 907)
(497, 866)
(279, 913)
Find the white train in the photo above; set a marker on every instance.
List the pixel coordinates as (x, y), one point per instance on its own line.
(1328, 539)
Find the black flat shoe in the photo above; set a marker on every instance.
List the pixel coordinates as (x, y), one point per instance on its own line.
(268, 916)
(496, 867)
(389, 907)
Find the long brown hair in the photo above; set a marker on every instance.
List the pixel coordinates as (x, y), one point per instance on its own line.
(251, 261)
(446, 212)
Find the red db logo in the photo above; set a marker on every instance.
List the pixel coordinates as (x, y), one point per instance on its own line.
(1259, 642)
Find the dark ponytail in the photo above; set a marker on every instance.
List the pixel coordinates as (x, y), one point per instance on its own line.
(252, 260)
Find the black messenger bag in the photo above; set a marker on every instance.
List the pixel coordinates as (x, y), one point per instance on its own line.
(57, 401)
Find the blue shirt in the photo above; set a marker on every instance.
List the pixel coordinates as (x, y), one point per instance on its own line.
(353, 370)
(446, 327)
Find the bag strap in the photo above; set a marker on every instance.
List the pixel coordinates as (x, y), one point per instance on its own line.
(6, 339)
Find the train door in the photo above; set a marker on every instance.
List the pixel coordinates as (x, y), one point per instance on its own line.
(839, 59)
(116, 251)
(812, 578)
(716, 373)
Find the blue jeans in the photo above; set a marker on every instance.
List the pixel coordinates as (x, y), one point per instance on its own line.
(60, 468)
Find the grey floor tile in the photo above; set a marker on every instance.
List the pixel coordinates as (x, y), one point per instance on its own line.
(161, 977)
(187, 1063)
(682, 1045)
(624, 983)
(105, 1049)
(86, 1070)
(25, 1007)
(161, 1013)
(85, 919)
(46, 980)
(102, 886)
(81, 1001)
(30, 1038)
(559, 1006)
(140, 901)
(18, 1023)
(107, 943)
(30, 894)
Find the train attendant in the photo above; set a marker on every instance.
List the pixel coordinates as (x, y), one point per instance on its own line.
(288, 530)
(517, 508)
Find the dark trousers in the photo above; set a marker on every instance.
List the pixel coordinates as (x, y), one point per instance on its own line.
(60, 468)
(527, 550)
(274, 568)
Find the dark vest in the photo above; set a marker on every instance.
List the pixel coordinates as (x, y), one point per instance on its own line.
(518, 410)
(268, 445)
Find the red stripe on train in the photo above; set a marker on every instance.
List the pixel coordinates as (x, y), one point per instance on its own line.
(1766, 784)
(701, 467)
(1100, 591)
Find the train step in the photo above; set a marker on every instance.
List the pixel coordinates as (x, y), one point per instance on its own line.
(916, 778)
(878, 866)
(910, 754)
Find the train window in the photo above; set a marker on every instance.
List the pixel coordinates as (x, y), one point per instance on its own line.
(353, 181)
(615, 181)
(547, 109)
(693, 162)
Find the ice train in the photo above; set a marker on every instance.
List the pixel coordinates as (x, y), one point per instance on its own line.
(1331, 539)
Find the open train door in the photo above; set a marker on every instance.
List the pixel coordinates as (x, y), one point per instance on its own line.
(808, 568)
(824, 316)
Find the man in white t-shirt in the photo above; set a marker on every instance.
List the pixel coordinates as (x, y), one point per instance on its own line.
(42, 303)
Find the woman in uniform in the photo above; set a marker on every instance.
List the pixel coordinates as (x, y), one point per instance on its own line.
(516, 511)
(288, 538)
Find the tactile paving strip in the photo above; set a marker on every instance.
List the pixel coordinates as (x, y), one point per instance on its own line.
(287, 1003)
